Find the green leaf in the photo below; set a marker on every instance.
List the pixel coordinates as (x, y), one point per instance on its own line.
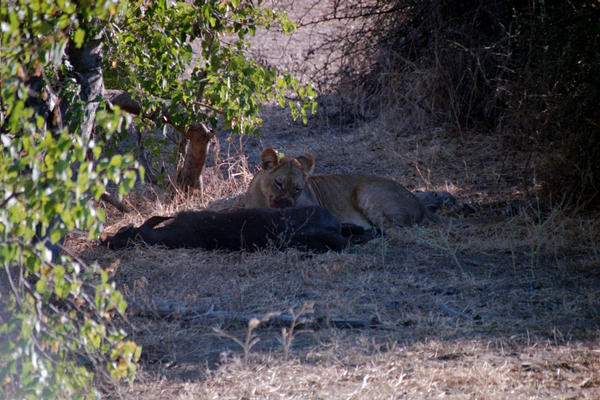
(116, 161)
(55, 236)
(40, 286)
(78, 37)
(146, 49)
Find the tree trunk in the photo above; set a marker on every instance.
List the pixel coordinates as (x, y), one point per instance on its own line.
(197, 135)
(188, 176)
(87, 62)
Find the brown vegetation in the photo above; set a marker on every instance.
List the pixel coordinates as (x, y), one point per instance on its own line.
(523, 72)
(502, 303)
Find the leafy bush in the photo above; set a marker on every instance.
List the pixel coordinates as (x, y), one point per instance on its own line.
(60, 326)
(186, 63)
(56, 327)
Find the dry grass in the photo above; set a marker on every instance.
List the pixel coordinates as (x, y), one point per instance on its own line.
(496, 305)
(486, 308)
(435, 369)
(493, 306)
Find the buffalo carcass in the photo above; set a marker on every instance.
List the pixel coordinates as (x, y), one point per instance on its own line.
(306, 228)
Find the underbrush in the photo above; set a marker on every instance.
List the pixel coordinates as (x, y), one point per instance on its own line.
(557, 238)
(222, 186)
(525, 73)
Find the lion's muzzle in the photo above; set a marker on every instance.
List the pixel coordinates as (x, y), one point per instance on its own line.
(282, 202)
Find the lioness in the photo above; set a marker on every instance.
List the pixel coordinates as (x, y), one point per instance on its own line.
(364, 200)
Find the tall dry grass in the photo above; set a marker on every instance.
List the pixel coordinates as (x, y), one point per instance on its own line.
(525, 73)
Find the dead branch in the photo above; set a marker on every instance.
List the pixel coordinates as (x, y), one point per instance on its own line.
(352, 13)
(114, 202)
(199, 314)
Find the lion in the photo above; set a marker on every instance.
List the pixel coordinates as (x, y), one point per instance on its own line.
(366, 201)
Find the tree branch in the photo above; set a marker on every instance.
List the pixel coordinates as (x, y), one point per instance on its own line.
(197, 133)
(13, 194)
(125, 101)
(351, 14)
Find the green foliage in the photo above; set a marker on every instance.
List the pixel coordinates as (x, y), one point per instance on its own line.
(58, 328)
(151, 51)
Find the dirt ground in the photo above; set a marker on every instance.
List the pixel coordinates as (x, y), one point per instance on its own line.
(504, 302)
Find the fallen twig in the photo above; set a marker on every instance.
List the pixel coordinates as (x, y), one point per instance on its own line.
(279, 320)
(169, 309)
(454, 312)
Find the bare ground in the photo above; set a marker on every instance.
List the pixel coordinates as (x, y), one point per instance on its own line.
(502, 303)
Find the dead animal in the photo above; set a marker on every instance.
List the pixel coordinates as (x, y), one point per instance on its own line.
(306, 228)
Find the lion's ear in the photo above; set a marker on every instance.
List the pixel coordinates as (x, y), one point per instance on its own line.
(269, 159)
(307, 161)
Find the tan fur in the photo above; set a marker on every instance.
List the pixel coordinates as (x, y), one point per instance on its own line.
(364, 200)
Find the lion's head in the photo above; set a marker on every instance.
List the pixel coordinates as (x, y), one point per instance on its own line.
(283, 179)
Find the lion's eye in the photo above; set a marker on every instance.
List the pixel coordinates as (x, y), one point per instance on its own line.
(298, 189)
(278, 185)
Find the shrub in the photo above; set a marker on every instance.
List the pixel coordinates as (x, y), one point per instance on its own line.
(526, 70)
